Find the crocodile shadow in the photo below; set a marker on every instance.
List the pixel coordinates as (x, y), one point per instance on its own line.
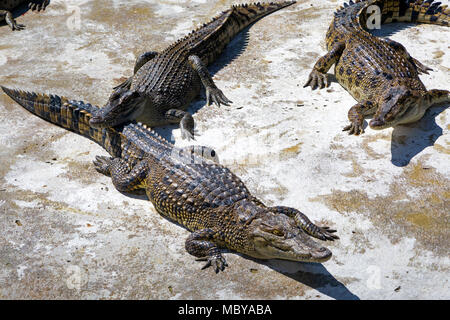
(314, 275)
(390, 29)
(409, 140)
(231, 52)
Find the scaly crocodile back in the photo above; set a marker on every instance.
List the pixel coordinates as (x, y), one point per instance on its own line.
(352, 16)
(75, 115)
(209, 40)
(206, 42)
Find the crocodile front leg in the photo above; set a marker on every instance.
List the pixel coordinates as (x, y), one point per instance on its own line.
(302, 221)
(185, 120)
(201, 244)
(213, 94)
(356, 116)
(318, 76)
(124, 178)
(7, 15)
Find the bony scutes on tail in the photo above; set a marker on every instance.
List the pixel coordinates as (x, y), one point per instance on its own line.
(165, 83)
(200, 194)
(6, 6)
(379, 72)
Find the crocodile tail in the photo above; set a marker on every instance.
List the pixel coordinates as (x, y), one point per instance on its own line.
(215, 35)
(355, 15)
(69, 114)
(246, 14)
(416, 11)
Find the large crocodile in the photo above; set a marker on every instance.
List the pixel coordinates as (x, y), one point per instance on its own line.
(6, 6)
(164, 84)
(198, 193)
(378, 72)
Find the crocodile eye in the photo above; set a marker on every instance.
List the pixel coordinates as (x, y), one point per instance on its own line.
(273, 230)
(278, 232)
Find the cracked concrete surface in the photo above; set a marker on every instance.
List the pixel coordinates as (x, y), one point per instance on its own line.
(65, 232)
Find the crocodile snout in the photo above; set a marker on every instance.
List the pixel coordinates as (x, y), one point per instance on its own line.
(321, 255)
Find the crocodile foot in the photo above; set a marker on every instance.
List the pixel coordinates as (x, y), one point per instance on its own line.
(216, 95)
(325, 233)
(316, 80)
(17, 26)
(187, 127)
(102, 164)
(217, 261)
(355, 128)
(421, 68)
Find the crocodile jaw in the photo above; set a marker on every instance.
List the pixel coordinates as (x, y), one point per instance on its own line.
(412, 113)
(293, 245)
(407, 109)
(291, 249)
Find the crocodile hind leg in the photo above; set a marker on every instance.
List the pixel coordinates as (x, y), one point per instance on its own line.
(185, 120)
(125, 178)
(140, 61)
(318, 76)
(143, 59)
(302, 221)
(201, 244)
(421, 68)
(7, 15)
(213, 94)
(356, 115)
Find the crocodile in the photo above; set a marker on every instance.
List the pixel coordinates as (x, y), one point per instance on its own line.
(164, 84)
(189, 188)
(379, 72)
(6, 6)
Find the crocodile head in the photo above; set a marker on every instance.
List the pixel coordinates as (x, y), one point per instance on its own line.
(122, 106)
(274, 235)
(398, 106)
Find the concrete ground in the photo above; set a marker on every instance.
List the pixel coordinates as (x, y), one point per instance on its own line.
(65, 232)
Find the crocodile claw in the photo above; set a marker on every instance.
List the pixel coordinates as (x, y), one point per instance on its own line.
(38, 6)
(325, 233)
(216, 95)
(421, 68)
(217, 261)
(18, 27)
(102, 163)
(355, 128)
(316, 80)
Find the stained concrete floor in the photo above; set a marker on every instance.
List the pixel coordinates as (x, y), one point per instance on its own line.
(65, 232)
